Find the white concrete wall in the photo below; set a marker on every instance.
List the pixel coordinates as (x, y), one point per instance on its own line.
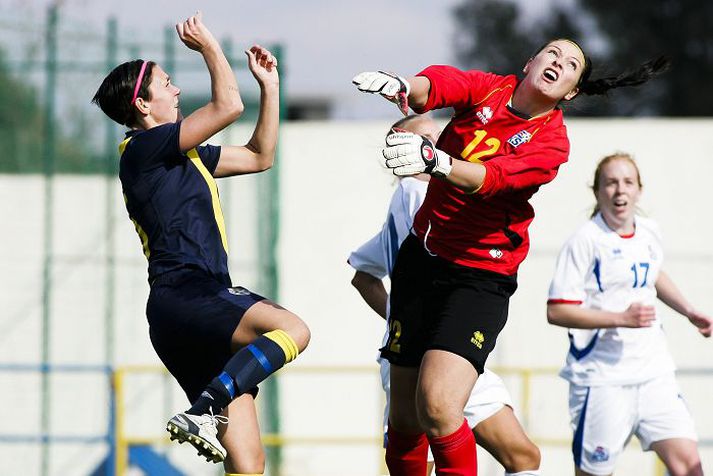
(333, 197)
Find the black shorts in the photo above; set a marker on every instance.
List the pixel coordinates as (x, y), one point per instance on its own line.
(436, 304)
(192, 317)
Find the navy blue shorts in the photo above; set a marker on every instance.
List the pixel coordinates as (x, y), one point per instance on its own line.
(192, 317)
(436, 304)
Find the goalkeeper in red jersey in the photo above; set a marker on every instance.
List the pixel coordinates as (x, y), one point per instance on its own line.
(454, 275)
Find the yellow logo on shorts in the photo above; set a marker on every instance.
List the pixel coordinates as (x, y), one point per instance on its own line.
(478, 339)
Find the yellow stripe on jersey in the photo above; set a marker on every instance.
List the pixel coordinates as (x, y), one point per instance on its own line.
(493, 92)
(288, 345)
(193, 155)
(243, 474)
(142, 234)
(540, 127)
(123, 145)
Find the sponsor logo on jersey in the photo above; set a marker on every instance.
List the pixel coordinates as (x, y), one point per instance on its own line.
(485, 114)
(496, 253)
(477, 339)
(520, 138)
(238, 291)
(600, 454)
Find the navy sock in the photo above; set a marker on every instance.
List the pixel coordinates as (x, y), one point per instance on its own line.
(245, 370)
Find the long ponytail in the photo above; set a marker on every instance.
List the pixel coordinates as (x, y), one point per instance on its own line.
(639, 76)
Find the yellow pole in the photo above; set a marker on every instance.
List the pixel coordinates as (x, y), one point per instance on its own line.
(121, 463)
(526, 375)
(660, 468)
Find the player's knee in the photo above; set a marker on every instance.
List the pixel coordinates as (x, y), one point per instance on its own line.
(686, 465)
(253, 463)
(525, 457)
(436, 413)
(404, 423)
(298, 331)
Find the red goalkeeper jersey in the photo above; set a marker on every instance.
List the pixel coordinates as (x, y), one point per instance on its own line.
(487, 229)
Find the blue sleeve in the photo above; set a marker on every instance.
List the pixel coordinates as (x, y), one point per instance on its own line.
(210, 155)
(154, 147)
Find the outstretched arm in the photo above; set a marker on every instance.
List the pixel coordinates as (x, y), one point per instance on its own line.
(574, 316)
(225, 105)
(404, 93)
(259, 153)
(667, 292)
(372, 290)
(420, 87)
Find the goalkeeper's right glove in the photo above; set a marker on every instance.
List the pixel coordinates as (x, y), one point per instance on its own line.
(394, 88)
(411, 154)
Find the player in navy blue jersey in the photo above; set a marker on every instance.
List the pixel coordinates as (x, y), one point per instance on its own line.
(218, 340)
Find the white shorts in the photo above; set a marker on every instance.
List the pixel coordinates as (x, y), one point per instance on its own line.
(489, 395)
(604, 418)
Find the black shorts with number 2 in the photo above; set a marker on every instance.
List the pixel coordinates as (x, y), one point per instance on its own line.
(436, 304)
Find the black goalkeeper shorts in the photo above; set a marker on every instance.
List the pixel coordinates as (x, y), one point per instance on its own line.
(436, 304)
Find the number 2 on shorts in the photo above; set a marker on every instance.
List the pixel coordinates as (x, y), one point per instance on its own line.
(394, 335)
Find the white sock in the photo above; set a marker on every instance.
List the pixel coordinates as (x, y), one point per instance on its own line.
(529, 472)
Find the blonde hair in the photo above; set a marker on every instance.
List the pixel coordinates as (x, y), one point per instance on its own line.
(598, 173)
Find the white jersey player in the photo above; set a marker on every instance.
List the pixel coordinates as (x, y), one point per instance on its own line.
(489, 409)
(607, 279)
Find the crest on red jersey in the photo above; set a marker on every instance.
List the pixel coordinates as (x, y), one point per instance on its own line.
(520, 138)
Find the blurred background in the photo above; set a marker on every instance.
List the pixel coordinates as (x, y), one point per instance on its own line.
(83, 390)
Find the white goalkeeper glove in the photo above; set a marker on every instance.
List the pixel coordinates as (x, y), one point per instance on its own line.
(411, 154)
(394, 88)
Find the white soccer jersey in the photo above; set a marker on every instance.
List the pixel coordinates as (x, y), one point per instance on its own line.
(378, 255)
(599, 269)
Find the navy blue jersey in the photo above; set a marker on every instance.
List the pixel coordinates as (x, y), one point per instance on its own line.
(172, 199)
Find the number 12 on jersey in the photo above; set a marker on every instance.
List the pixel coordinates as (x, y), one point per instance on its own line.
(493, 144)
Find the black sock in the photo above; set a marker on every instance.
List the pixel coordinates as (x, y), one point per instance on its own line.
(245, 370)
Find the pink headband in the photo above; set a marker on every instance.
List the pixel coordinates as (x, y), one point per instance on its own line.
(138, 82)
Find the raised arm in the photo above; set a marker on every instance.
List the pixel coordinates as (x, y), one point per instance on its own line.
(667, 292)
(259, 153)
(574, 316)
(404, 93)
(420, 87)
(225, 105)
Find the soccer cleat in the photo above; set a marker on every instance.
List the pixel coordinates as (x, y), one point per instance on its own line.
(199, 430)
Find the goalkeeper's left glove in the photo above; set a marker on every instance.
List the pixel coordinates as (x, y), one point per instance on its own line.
(394, 88)
(411, 154)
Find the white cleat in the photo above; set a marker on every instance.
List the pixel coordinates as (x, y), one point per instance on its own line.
(201, 431)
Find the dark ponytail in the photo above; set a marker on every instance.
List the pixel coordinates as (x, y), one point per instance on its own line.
(630, 78)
